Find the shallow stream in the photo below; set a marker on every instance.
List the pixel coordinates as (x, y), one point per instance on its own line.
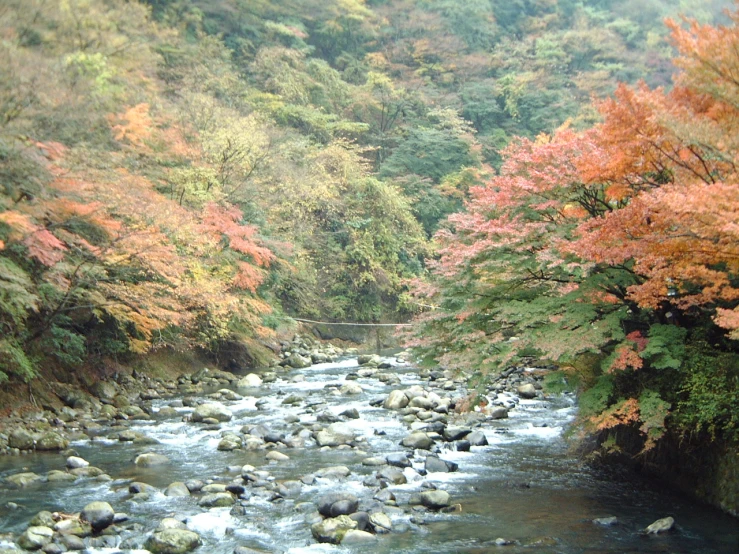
(525, 486)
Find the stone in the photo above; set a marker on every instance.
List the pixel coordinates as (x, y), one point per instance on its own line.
(396, 400)
(335, 434)
(434, 464)
(229, 443)
(606, 521)
(151, 459)
(177, 488)
(21, 439)
(73, 527)
(369, 359)
(104, 390)
(526, 391)
(477, 438)
(212, 410)
(499, 412)
(451, 434)
(337, 504)
(250, 380)
(43, 519)
(98, 514)
(23, 479)
(89, 471)
(660, 526)
(398, 459)
(350, 413)
(417, 439)
(138, 487)
(173, 541)
(435, 500)
(355, 536)
(36, 537)
(333, 472)
(296, 361)
(351, 389)
(392, 474)
(332, 530)
(421, 402)
(170, 523)
(380, 522)
(74, 462)
(57, 476)
(276, 456)
(217, 500)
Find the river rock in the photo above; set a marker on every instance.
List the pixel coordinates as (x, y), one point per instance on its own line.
(396, 400)
(170, 523)
(173, 541)
(398, 459)
(23, 479)
(421, 402)
(337, 504)
(36, 537)
(177, 488)
(660, 526)
(355, 536)
(333, 530)
(606, 521)
(417, 439)
(434, 464)
(451, 434)
(42, 519)
(98, 514)
(212, 410)
(276, 456)
(21, 439)
(351, 389)
(526, 391)
(380, 522)
(74, 527)
(104, 390)
(333, 472)
(477, 438)
(250, 380)
(350, 413)
(150, 459)
(73, 462)
(499, 412)
(335, 434)
(296, 361)
(217, 500)
(89, 472)
(57, 476)
(230, 442)
(435, 500)
(392, 474)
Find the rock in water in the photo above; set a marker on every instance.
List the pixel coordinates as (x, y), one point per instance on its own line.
(98, 514)
(660, 526)
(173, 541)
(353, 536)
(396, 400)
(435, 500)
(332, 530)
(337, 504)
(250, 380)
(150, 459)
(527, 391)
(211, 411)
(418, 439)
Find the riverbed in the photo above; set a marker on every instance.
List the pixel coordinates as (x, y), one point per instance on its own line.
(526, 486)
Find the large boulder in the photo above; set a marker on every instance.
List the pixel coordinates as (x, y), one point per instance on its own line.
(333, 530)
(173, 541)
(211, 411)
(36, 537)
(21, 439)
(396, 400)
(177, 488)
(296, 361)
(52, 441)
(335, 434)
(98, 514)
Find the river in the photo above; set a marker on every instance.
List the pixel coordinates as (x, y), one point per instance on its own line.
(524, 486)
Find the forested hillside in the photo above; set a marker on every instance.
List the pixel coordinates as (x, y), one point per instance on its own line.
(188, 174)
